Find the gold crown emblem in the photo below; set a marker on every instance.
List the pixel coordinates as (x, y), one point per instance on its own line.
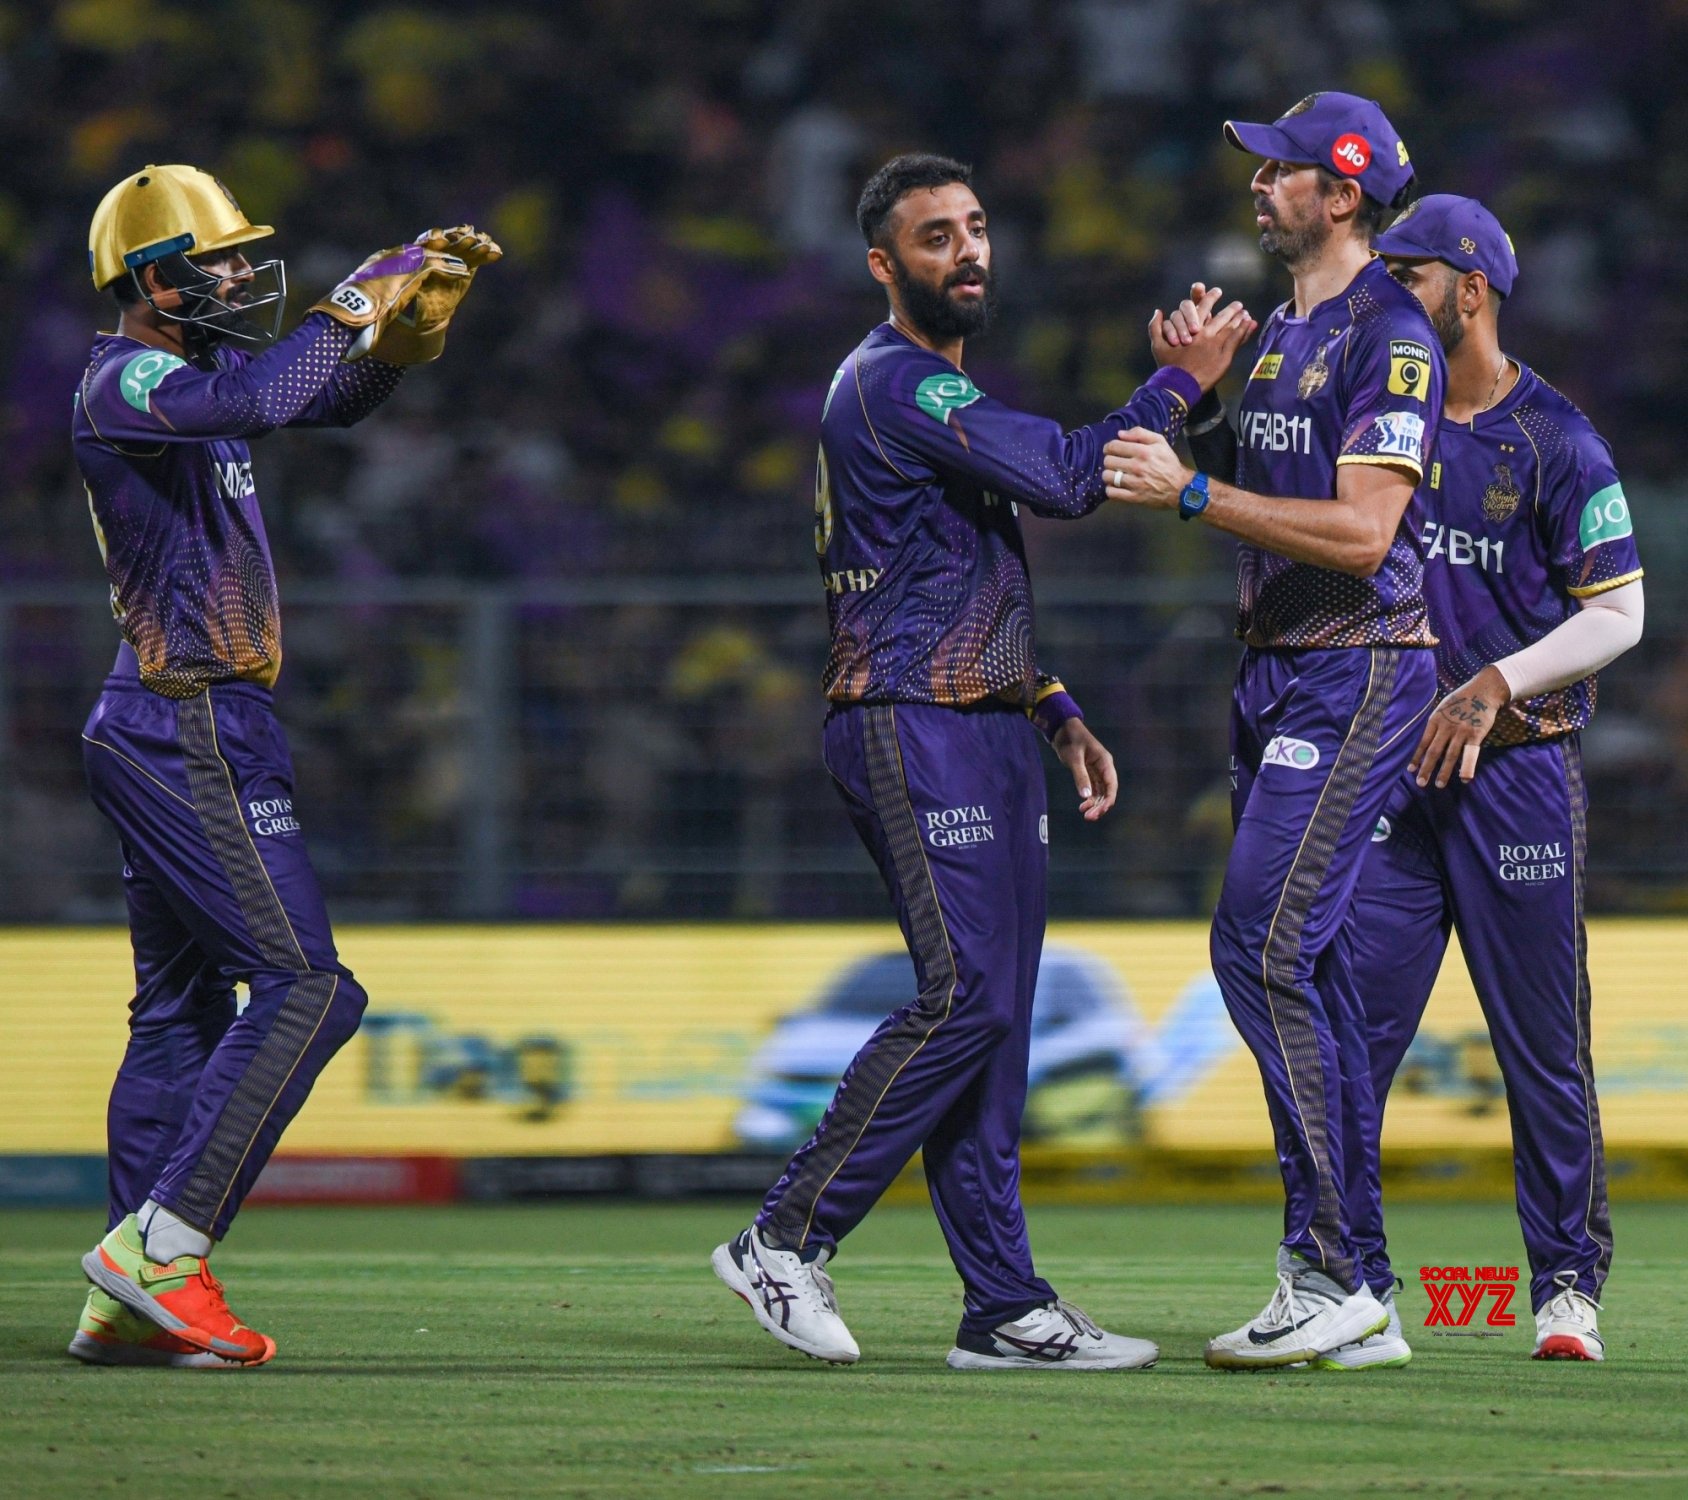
(1501, 497)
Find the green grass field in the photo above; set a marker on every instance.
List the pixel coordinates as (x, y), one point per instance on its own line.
(587, 1350)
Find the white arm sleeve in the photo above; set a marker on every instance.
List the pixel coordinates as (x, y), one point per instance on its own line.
(1604, 628)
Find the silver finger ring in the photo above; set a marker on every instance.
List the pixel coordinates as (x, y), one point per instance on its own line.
(1119, 479)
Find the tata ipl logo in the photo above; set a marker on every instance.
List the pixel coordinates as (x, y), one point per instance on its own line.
(1457, 1292)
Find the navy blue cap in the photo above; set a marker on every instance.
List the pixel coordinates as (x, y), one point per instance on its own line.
(1459, 231)
(1350, 135)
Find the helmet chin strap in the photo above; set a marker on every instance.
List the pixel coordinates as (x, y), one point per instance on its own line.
(198, 341)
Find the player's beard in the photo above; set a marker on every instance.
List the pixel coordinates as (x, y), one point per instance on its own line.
(1293, 245)
(1445, 318)
(938, 314)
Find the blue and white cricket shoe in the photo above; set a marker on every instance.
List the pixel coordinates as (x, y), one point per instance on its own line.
(1309, 1315)
(1056, 1336)
(790, 1293)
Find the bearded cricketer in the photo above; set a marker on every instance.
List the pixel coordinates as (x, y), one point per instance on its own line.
(935, 688)
(1534, 585)
(1337, 419)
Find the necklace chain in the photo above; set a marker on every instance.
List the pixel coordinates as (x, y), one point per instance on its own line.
(1490, 401)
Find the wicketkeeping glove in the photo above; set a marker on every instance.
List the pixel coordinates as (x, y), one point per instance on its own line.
(417, 333)
(384, 286)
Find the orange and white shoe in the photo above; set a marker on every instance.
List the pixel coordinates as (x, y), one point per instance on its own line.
(1566, 1326)
(109, 1334)
(182, 1298)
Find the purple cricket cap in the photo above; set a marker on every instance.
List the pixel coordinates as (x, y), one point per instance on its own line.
(1459, 231)
(1349, 135)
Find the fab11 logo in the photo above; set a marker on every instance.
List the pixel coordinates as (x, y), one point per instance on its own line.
(1457, 1293)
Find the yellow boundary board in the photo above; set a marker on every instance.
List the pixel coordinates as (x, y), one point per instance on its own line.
(658, 1026)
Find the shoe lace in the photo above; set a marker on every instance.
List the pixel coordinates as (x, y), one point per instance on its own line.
(807, 1282)
(1082, 1322)
(1564, 1302)
(1281, 1309)
(824, 1283)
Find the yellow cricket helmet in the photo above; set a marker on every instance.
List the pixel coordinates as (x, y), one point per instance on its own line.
(162, 210)
(165, 217)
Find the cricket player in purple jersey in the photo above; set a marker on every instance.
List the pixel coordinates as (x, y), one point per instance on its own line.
(1534, 584)
(183, 752)
(1338, 414)
(935, 687)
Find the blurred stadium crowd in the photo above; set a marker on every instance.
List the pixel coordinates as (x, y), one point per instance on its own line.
(551, 619)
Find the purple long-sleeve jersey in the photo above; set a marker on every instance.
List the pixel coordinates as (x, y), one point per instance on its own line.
(917, 495)
(1525, 516)
(162, 446)
(1359, 380)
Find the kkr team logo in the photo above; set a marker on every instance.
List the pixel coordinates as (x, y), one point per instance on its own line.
(1313, 377)
(1501, 497)
(1457, 1293)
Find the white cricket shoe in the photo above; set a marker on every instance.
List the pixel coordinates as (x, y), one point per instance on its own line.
(1309, 1315)
(1566, 1327)
(1056, 1336)
(1388, 1350)
(791, 1297)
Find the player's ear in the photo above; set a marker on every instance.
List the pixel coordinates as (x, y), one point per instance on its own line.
(1344, 199)
(163, 295)
(1473, 292)
(879, 266)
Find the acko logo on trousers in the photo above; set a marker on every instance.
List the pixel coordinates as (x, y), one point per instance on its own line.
(1298, 755)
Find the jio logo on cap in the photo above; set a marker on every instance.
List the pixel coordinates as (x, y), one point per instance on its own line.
(1350, 155)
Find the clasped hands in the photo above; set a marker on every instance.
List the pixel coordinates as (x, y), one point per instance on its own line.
(1139, 466)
